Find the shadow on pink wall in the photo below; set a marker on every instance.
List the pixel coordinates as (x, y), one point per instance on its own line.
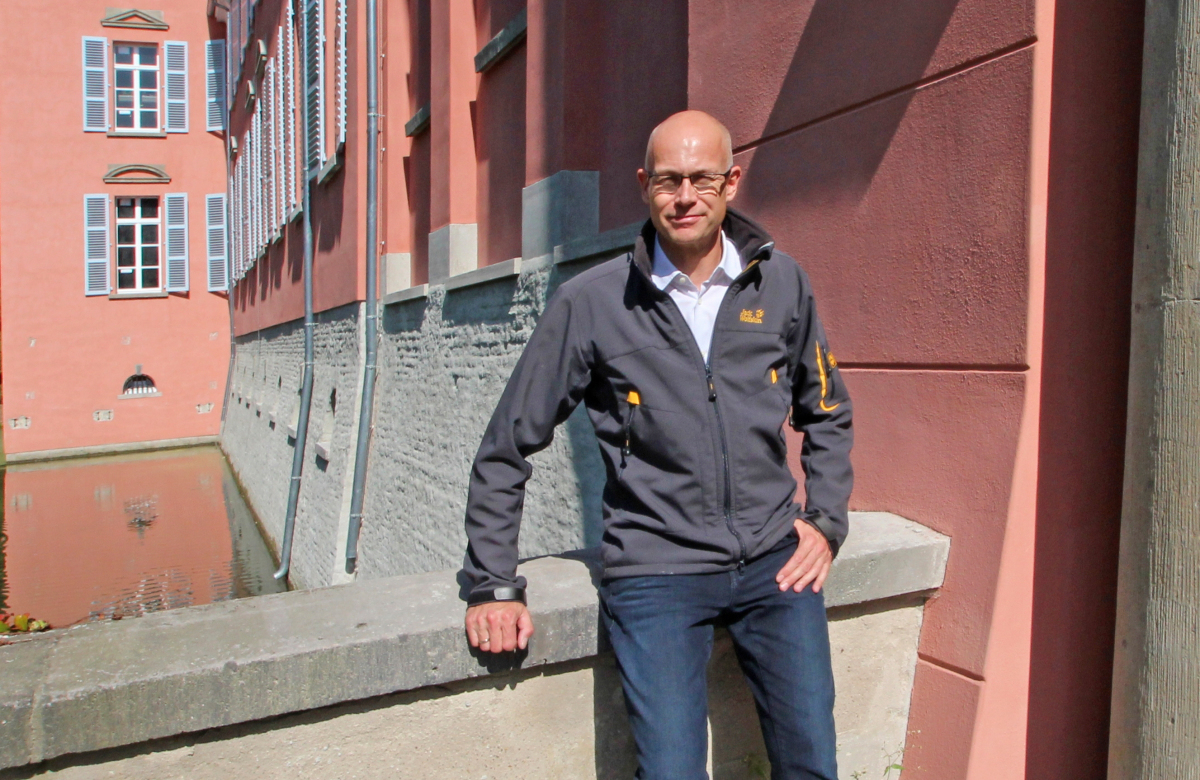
(892, 162)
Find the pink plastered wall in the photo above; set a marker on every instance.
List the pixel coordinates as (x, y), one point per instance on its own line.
(66, 355)
(957, 179)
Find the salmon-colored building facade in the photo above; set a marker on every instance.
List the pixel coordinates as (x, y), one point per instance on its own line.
(957, 178)
(112, 248)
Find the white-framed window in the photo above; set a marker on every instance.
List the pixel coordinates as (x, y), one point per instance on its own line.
(137, 92)
(149, 86)
(139, 244)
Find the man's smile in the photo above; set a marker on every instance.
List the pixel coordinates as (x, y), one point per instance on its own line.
(685, 220)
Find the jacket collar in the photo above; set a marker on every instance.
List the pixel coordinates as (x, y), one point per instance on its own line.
(751, 239)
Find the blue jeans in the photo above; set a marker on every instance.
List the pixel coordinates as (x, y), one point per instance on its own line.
(661, 630)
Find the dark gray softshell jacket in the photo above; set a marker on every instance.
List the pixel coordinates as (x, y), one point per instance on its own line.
(698, 479)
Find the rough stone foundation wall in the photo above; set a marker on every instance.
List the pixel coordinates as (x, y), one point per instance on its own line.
(263, 406)
(443, 361)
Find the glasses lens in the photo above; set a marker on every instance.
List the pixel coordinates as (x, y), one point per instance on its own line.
(665, 183)
(703, 183)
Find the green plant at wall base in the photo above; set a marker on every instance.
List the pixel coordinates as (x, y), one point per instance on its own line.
(21, 624)
(893, 765)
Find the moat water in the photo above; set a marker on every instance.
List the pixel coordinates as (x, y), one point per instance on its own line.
(119, 536)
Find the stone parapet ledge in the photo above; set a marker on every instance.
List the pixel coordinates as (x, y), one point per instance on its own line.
(102, 685)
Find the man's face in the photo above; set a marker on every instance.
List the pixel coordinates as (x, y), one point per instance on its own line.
(688, 211)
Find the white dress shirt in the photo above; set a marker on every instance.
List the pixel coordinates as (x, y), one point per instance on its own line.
(698, 305)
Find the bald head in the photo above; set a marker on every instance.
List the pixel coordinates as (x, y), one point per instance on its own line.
(693, 134)
(687, 183)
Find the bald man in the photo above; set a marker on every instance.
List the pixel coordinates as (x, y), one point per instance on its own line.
(690, 353)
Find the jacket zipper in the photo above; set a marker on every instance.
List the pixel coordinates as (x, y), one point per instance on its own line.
(734, 287)
(712, 397)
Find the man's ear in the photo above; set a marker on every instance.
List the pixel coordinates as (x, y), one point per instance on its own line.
(731, 184)
(643, 179)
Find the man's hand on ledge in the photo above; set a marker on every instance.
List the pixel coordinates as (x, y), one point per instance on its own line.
(810, 562)
(499, 626)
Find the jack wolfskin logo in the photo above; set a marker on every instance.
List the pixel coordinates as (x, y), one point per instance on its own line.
(755, 316)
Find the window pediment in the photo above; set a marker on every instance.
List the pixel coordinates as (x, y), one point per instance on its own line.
(135, 18)
(136, 173)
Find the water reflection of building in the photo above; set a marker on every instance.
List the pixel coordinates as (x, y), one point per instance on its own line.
(124, 535)
(114, 316)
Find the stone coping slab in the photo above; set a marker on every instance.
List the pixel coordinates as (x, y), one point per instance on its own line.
(102, 685)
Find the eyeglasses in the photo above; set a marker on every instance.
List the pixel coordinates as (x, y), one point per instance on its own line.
(703, 182)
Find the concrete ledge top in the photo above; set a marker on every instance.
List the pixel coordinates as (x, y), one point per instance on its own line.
(617, 239)
(101, 685)
(620, 238)
(486, 273)
(407, 294)
(108, 449)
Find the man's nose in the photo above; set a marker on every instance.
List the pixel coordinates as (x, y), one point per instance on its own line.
(686, 194)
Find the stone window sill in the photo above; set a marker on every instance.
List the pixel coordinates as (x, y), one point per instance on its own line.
(119, 296)
(126, 134)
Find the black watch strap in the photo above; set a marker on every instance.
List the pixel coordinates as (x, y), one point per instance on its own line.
(496, 594)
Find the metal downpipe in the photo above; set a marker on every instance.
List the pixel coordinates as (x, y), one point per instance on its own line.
(306, 388)
(229, 285)
(363, 447)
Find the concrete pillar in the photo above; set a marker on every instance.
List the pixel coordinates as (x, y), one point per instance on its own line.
(1155, 724)
(452, 222)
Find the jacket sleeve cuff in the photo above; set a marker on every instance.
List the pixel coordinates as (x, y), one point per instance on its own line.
(496, 594)
(819, 520)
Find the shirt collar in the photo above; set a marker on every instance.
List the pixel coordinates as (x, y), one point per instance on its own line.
(664, 272)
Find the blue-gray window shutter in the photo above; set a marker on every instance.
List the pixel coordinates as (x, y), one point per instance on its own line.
(177, 242)
(95, 245)
(216, 234)
(175, 57)
(95, 84)
(314, 86)
(214, 85)
(342, 87)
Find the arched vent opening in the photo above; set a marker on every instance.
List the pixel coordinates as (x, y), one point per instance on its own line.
(139, 384)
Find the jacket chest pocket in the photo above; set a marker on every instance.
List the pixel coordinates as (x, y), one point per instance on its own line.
(633, 402)
(653, 441)
(752, 362)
